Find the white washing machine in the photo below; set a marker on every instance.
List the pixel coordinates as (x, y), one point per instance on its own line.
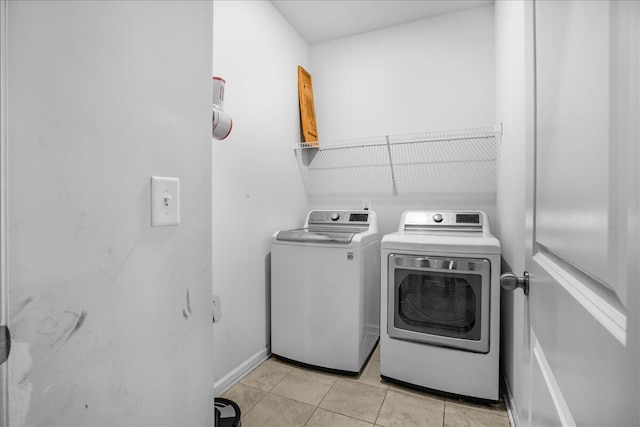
(325, 290)
(440, 303)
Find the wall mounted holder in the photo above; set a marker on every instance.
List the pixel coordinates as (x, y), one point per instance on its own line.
(463, 160)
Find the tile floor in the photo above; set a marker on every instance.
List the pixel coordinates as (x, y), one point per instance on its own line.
(279, 394)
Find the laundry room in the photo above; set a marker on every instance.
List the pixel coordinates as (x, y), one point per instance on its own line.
(398, 80)
(430, 80)
(405, 213)
(433, 78)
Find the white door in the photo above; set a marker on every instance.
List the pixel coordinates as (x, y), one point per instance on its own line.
(582, 214)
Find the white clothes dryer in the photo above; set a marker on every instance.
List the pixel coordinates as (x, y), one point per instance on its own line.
(325, 290)
(440, 303)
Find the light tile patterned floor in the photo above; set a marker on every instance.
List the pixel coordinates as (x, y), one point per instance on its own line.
(282, 395)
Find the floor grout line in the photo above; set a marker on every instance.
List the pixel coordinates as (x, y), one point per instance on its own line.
(281, 379)
(347, 416)
(325, 395)
(255, 404)
(444, 412)
(381, 405)
(314, 411)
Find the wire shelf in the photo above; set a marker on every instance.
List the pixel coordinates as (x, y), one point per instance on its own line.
(463, 160)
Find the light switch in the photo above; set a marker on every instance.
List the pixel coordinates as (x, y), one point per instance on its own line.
(165, 201)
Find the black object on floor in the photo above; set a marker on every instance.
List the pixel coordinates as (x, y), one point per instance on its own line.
(227, 413)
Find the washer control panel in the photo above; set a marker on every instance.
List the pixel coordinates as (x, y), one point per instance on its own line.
(339, 217)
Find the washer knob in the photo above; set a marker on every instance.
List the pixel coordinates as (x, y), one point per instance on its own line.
(437, 218)
(335, 216)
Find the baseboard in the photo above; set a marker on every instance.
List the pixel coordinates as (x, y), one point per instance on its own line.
(509, 402)
(233, 377)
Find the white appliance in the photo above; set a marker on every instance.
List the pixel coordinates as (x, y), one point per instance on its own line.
(440, 305)
(325, 290)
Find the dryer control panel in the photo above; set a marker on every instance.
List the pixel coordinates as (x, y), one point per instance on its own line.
(445, 220)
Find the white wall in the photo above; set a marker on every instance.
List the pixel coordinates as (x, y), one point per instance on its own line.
(432, 74)
(257, 188)
(429, 75)
(110, 318)
(511, 111)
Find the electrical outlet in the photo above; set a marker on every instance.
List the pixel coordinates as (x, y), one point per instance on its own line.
(165, 201)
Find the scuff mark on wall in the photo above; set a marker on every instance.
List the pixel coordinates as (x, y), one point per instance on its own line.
(22, 305)
(63, 327)
(184, 312)
(78, 325)
(20, 364)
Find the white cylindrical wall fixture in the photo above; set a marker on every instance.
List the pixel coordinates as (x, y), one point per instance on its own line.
(221, 122)
(218, 92)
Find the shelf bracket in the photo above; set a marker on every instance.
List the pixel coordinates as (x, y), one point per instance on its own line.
(393, 175)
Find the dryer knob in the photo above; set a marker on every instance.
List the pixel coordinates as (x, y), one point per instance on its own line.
(437, 218)
(335, 216)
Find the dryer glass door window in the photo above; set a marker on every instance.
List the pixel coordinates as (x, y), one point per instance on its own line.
(442, 301)
(439, 303)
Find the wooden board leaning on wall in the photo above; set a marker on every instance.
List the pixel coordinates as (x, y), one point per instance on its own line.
(307, 109)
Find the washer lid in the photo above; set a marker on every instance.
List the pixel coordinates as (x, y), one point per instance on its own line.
(314, 236)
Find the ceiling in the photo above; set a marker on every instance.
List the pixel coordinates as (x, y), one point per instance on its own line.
(323, 20)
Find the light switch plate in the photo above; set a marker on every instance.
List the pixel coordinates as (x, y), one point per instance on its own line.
(165, 201)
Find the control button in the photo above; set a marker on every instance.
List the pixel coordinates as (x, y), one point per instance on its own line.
(437, 218)
(335, 216)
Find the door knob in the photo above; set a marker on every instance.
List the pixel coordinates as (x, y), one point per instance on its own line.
(509, 282)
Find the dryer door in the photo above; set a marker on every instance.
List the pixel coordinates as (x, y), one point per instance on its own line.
(441, 301)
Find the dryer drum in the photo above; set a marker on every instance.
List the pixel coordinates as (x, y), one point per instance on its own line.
(442, 302)
(436, 303)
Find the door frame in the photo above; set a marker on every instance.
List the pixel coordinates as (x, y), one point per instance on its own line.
(4, 314)
(530, 189)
